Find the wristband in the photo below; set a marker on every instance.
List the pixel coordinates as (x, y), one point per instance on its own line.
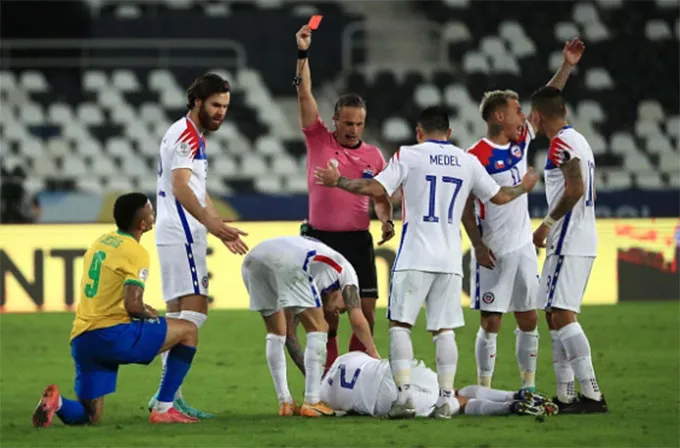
(548, 221)
(302, 54)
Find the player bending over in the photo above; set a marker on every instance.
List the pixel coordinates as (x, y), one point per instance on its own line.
(504, 263)
(113, 326)
(357, 383)
(436, 178)
(570, 253)
(307, 277)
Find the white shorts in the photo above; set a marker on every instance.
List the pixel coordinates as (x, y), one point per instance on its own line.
(184, 270)
(510, 287)
(271, 290)
(439, 291)
(563, 282)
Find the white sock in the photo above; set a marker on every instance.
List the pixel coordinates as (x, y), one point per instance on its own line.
(401, 354)
(526, 351)
(480, 406)
(163, 406)
(485, 352)
(564, 374)
(315, 361)
(578, 351)
(276, 360)
(61, 402)
(164, 356)
(447, 360)
(486, 393)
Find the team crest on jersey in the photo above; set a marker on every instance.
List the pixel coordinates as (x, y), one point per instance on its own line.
(500, 164)
(334, 162)
(183, 149)
(204, 282)
(516, 151)
(143, 274)
(488, 297)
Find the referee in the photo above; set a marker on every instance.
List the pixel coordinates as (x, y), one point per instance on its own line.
(338, 218)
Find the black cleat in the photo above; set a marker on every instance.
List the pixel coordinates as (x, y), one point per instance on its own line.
(585, 405)
(561, 404)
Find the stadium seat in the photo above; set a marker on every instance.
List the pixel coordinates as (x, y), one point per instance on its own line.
(120, 184)
(618, 180)
(56, 147)
(427, 95)
(565, 31)
(648, 180)
(598, 79)
(269, 184)
(34, 82)
(296, 184)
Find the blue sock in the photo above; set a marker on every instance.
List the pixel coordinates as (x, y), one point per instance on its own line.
(72, 412)
(176, 368)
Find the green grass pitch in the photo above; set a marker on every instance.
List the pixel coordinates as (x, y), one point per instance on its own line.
(635, 351)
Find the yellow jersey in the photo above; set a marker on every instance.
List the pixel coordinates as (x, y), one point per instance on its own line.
(116, 259)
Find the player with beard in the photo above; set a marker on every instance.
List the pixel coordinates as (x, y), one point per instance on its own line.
(186, 213)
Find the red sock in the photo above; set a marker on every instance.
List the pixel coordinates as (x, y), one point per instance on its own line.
(331, 351)
(355, 345)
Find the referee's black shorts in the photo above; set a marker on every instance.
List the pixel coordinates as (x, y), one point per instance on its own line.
(357, 247)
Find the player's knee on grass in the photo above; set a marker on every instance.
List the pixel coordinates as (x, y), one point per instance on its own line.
(94, 409)
(491, 322)
(527, 320)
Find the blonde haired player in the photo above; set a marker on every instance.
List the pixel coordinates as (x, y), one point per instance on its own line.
(436, 178)
(504, 263)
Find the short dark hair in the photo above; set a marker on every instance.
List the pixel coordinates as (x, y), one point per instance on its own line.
(205, 86)
(549, 101)
(494, 99)
(126, 208)
(434, 119)
(349, 100)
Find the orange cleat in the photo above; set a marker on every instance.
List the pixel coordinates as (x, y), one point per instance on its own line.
(319, 409)
(172, 415)
(288, 409)
(47, 407)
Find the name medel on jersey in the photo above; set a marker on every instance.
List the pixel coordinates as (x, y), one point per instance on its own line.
(506, 227)
(183, 146)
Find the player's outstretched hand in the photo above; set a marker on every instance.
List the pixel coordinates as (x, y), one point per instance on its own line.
(485, 257)
(304, 38)
(529, 180)
(387, 233)
(237, 246)
(540, 235)
(573, 50)
(217, 227)
(327, 176)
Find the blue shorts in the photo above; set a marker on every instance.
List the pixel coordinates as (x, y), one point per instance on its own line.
(98, 353)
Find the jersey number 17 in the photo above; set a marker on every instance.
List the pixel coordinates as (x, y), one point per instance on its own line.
(432, 180)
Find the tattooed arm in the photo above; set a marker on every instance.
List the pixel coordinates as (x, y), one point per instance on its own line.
(134, 302)
(573, 189)
(295, 351)
(360, 327)
(365, 187)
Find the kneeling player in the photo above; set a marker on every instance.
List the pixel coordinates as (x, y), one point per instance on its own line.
(113, 326)
(363, 385)
(297, 273)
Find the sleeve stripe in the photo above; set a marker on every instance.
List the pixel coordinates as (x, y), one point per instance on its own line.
(132, 281)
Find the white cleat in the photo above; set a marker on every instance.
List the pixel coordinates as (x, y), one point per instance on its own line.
(399, 411)
(444, 408)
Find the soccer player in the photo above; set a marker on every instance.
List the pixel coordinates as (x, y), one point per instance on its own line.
(113, 326)
(359, 384)
(571, 249)
(339, 219)
(504, 262)
(186, 213)
(436, 178)
(299, 273)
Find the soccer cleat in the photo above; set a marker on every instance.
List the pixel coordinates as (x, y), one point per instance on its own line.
(403, 410)
(184, 408)
(531, 397)
(319, 409)
(585, 405)
(172, 415)
(152, 402)
(526, 408)
(288, 409)
(550, 408)
(47, 407)
(561, 404)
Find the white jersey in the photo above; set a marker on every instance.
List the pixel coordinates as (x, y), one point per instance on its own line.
(505, 228)
(436, 179)
(575, 233)
(183, 146)
(294, 254)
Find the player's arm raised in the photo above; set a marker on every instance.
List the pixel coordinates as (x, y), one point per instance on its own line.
(309, 110)
(483, 255)
(293, 346)
(574, 189)
(360, 327)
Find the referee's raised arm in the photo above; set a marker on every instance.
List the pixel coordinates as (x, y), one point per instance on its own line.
(340, 219)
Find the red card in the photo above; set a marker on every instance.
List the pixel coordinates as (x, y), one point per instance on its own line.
(315, 21)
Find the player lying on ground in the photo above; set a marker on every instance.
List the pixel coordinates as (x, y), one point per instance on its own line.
(307, 277)
(504, 263)
(359, 384)
(113, 326)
